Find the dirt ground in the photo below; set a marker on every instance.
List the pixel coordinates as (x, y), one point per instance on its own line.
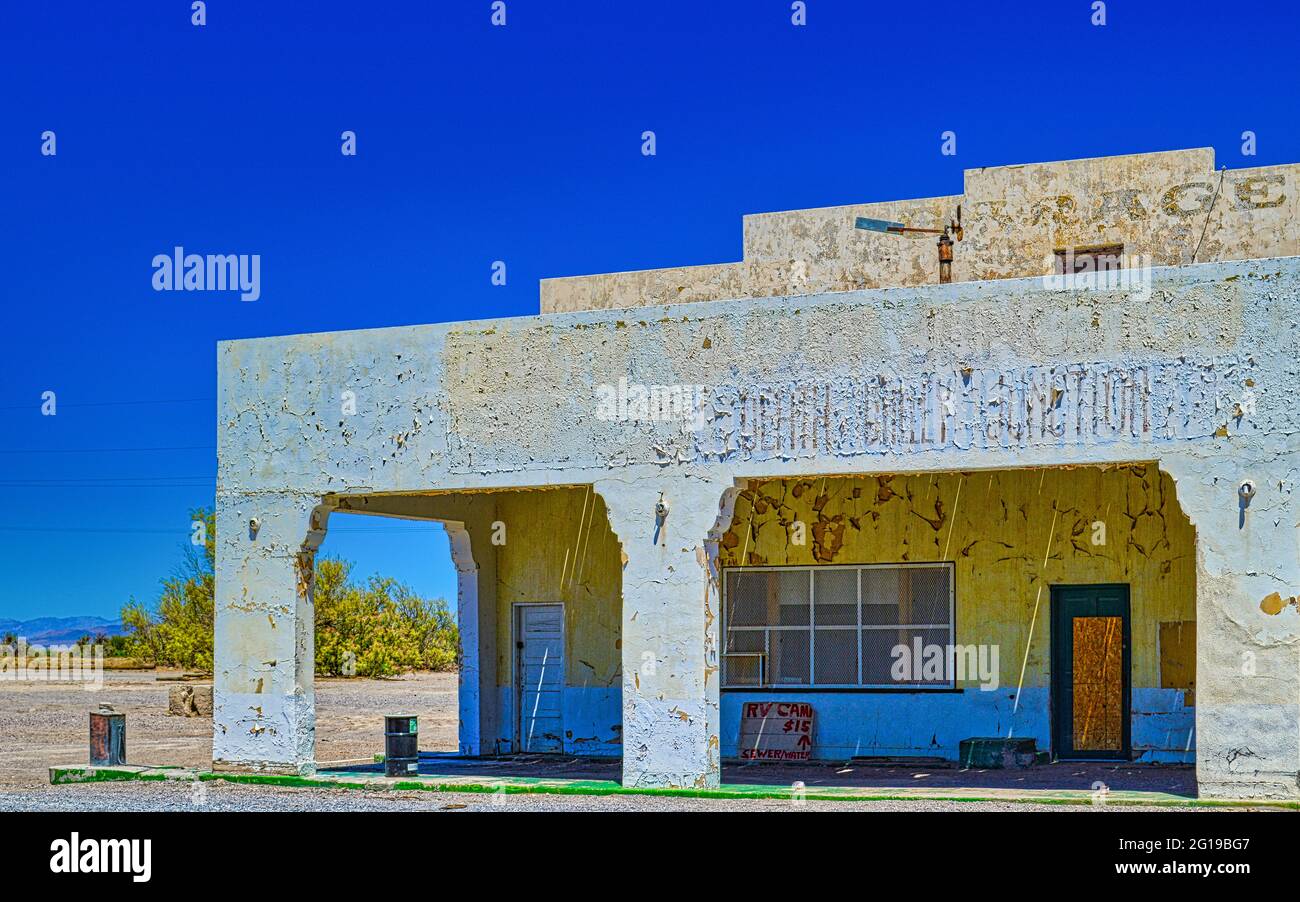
(44, 723)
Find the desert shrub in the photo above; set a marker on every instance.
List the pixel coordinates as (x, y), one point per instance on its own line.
(177, 630)
(376, 629)
(380, 628)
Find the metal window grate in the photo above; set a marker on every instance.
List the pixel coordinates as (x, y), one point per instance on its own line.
(836, 626)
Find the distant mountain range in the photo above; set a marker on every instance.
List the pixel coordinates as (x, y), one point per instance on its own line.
(60, 630)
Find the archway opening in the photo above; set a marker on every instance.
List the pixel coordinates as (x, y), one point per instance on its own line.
(951, 619)
(536, 688)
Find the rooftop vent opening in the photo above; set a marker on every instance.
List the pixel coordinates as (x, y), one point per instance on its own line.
(1099, 259)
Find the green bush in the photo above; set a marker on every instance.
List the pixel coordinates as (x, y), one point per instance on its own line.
(177, 631)
(117, 647)
(378, 629)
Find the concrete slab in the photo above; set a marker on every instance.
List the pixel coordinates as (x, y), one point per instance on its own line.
(1174, 780)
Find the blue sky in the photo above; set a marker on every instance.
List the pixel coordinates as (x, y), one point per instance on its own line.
(478, 143)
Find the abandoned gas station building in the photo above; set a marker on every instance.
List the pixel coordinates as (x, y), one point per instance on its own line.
(1043, 488)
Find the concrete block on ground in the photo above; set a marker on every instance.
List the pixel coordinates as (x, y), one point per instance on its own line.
(189, 701)
(996, 752)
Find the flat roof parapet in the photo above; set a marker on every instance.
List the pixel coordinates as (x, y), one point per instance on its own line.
(1162, 209)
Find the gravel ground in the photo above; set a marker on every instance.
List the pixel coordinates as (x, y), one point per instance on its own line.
(45, 723)
(215, 796)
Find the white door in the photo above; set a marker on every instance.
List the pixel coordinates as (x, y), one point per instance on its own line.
(539, 669)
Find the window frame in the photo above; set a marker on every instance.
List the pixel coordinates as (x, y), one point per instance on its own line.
(947, 685)
(1094, 253)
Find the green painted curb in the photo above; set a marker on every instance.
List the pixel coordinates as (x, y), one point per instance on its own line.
(69, 775)
(538, 785)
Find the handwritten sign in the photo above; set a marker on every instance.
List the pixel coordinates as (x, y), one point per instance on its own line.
(776, 731)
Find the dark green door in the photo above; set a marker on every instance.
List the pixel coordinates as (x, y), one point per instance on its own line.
(1090, 671)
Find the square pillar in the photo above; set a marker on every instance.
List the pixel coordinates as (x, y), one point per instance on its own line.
(1247, 623)
(264, 704)
(669, 632)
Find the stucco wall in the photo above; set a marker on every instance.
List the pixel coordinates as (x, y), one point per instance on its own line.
(1157, 205)
(1011, 534)
(559, 548)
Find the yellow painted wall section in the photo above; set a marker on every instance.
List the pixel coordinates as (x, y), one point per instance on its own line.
(1010, 534)
(559, 548)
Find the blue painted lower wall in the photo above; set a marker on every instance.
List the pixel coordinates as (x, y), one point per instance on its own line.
(593, 720)
(880, 724)
(1164, 727)
(846, 724)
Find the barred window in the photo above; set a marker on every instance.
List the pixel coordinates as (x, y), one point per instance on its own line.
(843, 627)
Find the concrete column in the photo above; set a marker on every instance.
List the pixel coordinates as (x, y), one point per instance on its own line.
(669, 631)
(1247, 624)
(264, 706)
(476, 678)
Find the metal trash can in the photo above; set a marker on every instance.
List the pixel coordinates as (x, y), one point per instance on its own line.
(401, 745)
(107, 738)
